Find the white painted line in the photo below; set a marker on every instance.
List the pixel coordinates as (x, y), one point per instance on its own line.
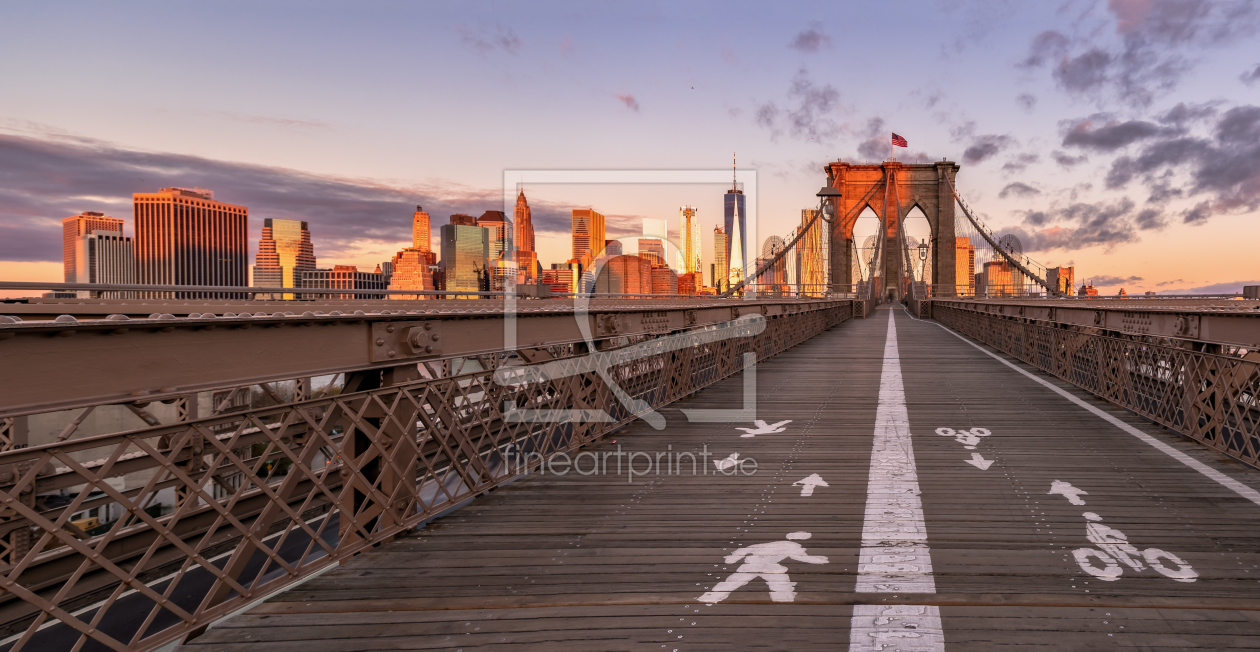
(1224, 480)
(895, 556)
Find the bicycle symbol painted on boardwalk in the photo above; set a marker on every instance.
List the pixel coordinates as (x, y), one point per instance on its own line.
(1114, 549)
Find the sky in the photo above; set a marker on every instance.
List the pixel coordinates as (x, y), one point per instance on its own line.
(1118, 136)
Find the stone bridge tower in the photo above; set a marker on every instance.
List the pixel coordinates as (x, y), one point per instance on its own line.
(921, 185)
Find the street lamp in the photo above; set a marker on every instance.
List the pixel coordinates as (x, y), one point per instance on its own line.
(827, 196)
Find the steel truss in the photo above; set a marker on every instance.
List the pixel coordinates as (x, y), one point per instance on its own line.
(1209, 397)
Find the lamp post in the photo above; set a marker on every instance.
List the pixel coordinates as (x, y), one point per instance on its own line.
(827, 198)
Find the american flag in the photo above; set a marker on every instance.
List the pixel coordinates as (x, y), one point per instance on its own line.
(899, 141)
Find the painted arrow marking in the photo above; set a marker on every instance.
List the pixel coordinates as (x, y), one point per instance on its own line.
(979, 462)
(807, 484)
(727, 463)
(764, 428)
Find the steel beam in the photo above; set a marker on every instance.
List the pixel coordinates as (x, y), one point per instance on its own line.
(1232, 323)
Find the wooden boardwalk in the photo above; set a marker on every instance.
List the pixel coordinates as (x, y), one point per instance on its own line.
(600, 562)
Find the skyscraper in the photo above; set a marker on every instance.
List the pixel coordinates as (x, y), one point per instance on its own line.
(652, 249)
(411, 269)
(720, 248)
(689, 240)
(1062, 278)
(811, 255)
(526, 256)
(655, 228)
(104, 257)
(465, 255)
(185, 237)
(500, 234)
(72, 228)
(624, 275)
(965, 266)
(524, 224)
(736, 223)
(421, 231)
(284, 252)
(588, 234)
(343, 277)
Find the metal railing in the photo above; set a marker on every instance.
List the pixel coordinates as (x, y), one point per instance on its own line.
(133, 539)
(1192, 388)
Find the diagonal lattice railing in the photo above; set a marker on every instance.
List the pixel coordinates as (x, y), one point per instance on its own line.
(1210, 398)
(214, 513)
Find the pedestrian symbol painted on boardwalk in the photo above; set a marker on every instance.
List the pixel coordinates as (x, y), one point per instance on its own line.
(807, 484)
(763, 428)
(763, 560)
(1066, 490)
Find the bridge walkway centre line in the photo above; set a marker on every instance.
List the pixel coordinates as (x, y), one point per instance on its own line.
(597, 563)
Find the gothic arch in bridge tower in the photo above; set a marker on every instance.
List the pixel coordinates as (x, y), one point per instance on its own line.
(892, 189)
(862, 231)
(918, 230)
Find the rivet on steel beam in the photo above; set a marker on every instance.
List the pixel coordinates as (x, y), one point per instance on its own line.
(392, 353)
(428, 326)
(380, 342)
(65, 319)
(345, 472)
(389, 329)
(435, 337)
(428, 349)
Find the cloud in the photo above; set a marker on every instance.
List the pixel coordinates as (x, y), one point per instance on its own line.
(1231, 287)
(984, 148)
(1111, 136)
(488, 39)
(877, 140)
(1026, 100)
(1163, 283)
(1018, 189)
(1112, 281)
(810, 112)
(1150, 219)
(1183, 113)
(1154, 45)
(811, 40)
(1252, 76)
(44, 180)
(1018, 162)
(1081, 224)
(1067, 161)
(629, 101)
(1226, 166)
(1045, 46)
(1086, 72)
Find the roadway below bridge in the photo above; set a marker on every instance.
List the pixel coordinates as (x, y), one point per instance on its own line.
(911, 491)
